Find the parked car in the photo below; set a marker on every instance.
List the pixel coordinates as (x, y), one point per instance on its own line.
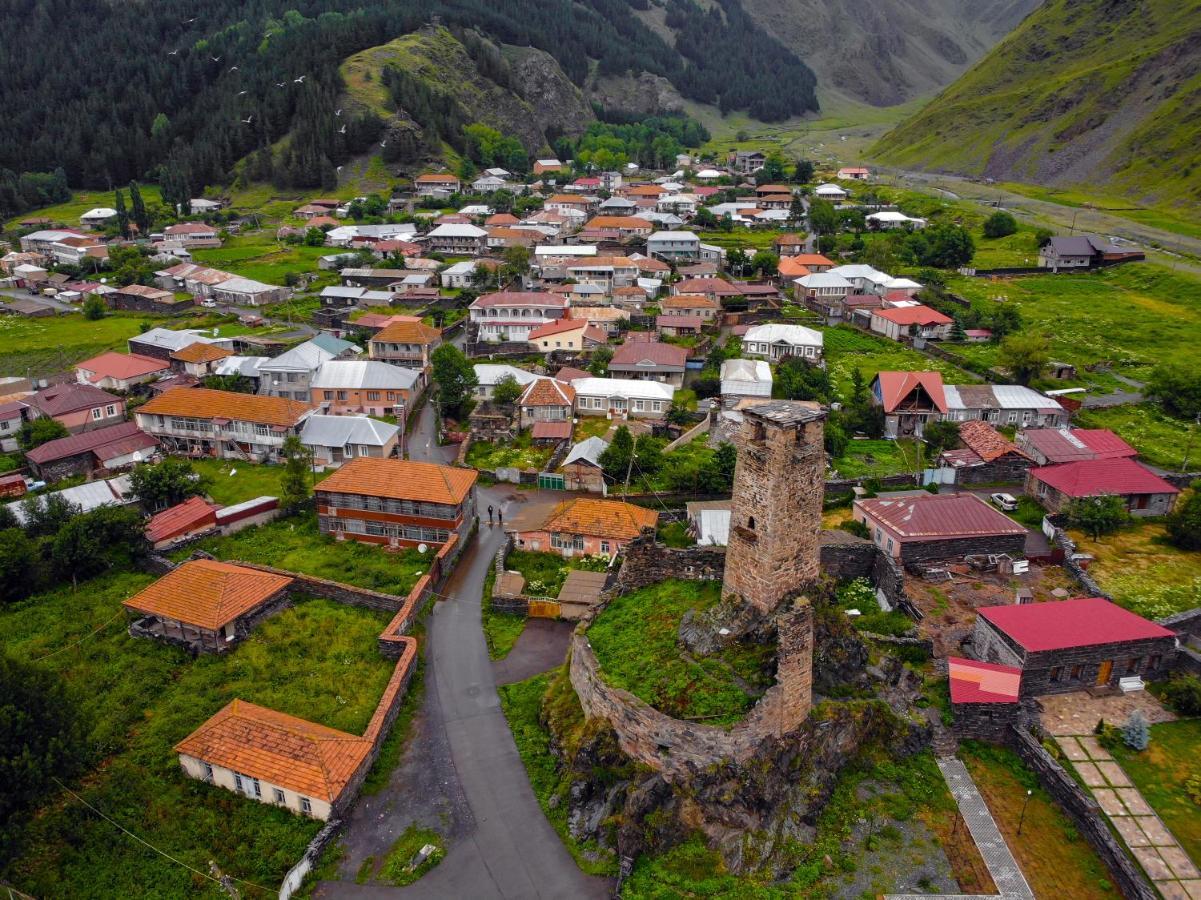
(1006, 502)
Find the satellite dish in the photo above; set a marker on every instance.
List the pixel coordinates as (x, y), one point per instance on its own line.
(421, 548)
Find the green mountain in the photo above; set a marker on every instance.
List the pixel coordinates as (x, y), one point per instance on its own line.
(1098, 93)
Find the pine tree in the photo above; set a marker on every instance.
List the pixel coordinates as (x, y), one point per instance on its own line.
(1136, 734)
(122, 215)
(140, 217)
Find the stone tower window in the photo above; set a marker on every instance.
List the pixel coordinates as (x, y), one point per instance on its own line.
(750, 523)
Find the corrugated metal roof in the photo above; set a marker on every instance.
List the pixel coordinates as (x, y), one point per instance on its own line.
(363, 373)
(338, 431)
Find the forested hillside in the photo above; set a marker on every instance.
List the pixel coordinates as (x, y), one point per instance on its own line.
(181, 92)
(1103, 93)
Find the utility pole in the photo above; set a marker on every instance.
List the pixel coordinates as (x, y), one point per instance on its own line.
(629, 470)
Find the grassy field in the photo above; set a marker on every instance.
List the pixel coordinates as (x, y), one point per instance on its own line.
(876, 459)
(81, 201)
(847, 349)
(317, 660)
(1143, 572)
(1166, 218)
(293, 543)
(1055, 859)
(1130, 317)
(1160, 439)
(53, 344)
(635, 643)
(501, 629)
(521, 453)
(1159, 772)
(232, 481)
(258, 255)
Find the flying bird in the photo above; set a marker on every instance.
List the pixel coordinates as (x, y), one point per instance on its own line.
(243, 93)
(383, 143)
(338, 112)
(246, 121)
(233, 68)
(216, 58)
(189, 21)
(299, 80)
(173, 52)
(281, 84)
(342, 130)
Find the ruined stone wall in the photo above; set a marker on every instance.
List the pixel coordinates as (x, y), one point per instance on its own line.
(776, 507)
(679, 749)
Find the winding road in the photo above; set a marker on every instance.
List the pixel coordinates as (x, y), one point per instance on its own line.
(460, 772)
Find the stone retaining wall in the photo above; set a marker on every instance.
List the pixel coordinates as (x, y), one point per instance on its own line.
(1084, 811)
(1185, 623)
(1091, 588)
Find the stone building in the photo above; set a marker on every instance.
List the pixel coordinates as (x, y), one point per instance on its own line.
(1073, 645)
(777, 504)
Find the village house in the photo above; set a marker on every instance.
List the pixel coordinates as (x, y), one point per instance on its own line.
(366, 387)
(825, 287)
(917, 527)
(584, 526)
(1003, 404)
(650, 361)
(198, 359)
(397, 503)
(488, 375)
(986, 457)
(745, 162)
(900, 322)
(98, 218)
(853, 173)
(290, 374)
(545, 166)
(336, 439)
(42, 241)
(160, 343)
(581, 468)
(674, 245)
(626, 226)
(608, 272)
(910, 400)
(275, 758)
(713, 288)
(512, 315)
(545, 400)
(457, 239)
(575, 335)
(831, 192)
(1048, 446)
(77, 407)
(745, 378)
(622, 397)
(139, 298)
(12, 417)
(776, 342)
(224, 424)
(609, 319)
(1073, 645)
(435, 184)
(109, 448)
(696, 306)
(122, 372)
(1083, 251)
(886, 219)
(679, 326)
(192, 234)
(248, 292)
(206, 605)
(408, 344)
(1143, 492)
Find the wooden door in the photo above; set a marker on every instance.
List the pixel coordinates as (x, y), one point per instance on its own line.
(1104, 672)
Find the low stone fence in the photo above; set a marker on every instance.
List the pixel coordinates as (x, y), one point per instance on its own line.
(337, 591)
(312, 853)
(1085, 812)
(1059, 538)
(1187, 623)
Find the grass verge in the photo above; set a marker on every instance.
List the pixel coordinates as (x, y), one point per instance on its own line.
(1160, 771)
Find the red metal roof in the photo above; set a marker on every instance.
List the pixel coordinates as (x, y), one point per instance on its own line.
(938, 516)
(183, 518)
(981, 682)
(1061, 445)
(86, 441)
(896, 386)
(1092, 477)
(1081, 622)
(914, 315)
(122, 365)
(551, 431)
(632, 353)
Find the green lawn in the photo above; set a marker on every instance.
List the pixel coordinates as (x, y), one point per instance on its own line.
(53, 344)
(1143, 572)
(877, 459)
(258, 255)
(521, 453)
(1160, 771)
(847, 349)
(234, 481)
(293, 543)
(68, 213)
(1160, 439)
(1166, 218)
(746, 239)
(635, 642)
(317, 660)
(1129, 317)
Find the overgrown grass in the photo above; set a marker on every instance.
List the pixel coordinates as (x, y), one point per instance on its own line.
(847, 349)
(235, 481)
(317, 660)
(545, 572)
(293, 543)
(635, 642)
(1159, 438)
(53, 344)
(1143, 572)
(397, 867)
(877, 459)
(1160, 771)
(258, 255)
(521, 453)
(1055, 859)
(501, 629)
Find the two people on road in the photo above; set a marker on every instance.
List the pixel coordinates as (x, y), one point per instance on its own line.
(500, 516)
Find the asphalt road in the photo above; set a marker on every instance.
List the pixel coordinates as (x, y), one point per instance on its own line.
(461, 773)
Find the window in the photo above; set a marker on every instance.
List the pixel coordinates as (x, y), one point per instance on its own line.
(262, 430)
(604, 546)
(1155, 661)
(890, 545)
(1056, 671)
(373, 395)
(1133, 665)
(1077, 670)
(306, 806)
(97, 413)
(208, 773)
(279, 797)
(342, 395)
(329, 395)
(110, 410)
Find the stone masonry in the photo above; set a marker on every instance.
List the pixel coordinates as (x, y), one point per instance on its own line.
(776, 509)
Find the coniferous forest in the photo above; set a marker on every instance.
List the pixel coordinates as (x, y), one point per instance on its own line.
(180, 92)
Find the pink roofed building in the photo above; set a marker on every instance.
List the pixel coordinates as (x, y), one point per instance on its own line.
(1143, 492)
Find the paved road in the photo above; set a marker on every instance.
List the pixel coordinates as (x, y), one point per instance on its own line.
(461, 772)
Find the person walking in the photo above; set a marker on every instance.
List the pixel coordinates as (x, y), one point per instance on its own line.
(500, 518)
(489, 515)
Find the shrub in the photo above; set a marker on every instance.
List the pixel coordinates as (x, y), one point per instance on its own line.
(1136, 733)
(1000, 224)
(1183, 694)
(856, 528)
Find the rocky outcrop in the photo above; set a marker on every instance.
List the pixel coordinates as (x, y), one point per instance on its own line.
(644, 94)
(557, 105)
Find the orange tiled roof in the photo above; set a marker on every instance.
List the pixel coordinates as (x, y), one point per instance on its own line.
(618, 222)
(408, 333)
(547, 392)
(689, 301)
(311, 759)
(203, 403)
(790, 267)
(985, 441)
(207, 593)
(400, 479)
(200, 353)
(600, 518)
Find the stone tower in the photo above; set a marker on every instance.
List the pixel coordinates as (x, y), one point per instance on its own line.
(775, 515)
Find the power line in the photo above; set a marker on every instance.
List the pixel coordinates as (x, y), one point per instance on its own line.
(80, 641)
(162, 853)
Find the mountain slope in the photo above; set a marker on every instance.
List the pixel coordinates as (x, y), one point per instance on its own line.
(888, 53)
(1084, 92)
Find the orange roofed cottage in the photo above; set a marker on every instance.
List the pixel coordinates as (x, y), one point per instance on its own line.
(587, 526)
(278, 759)
(205, 605)
(398, 503)
(203, 422)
